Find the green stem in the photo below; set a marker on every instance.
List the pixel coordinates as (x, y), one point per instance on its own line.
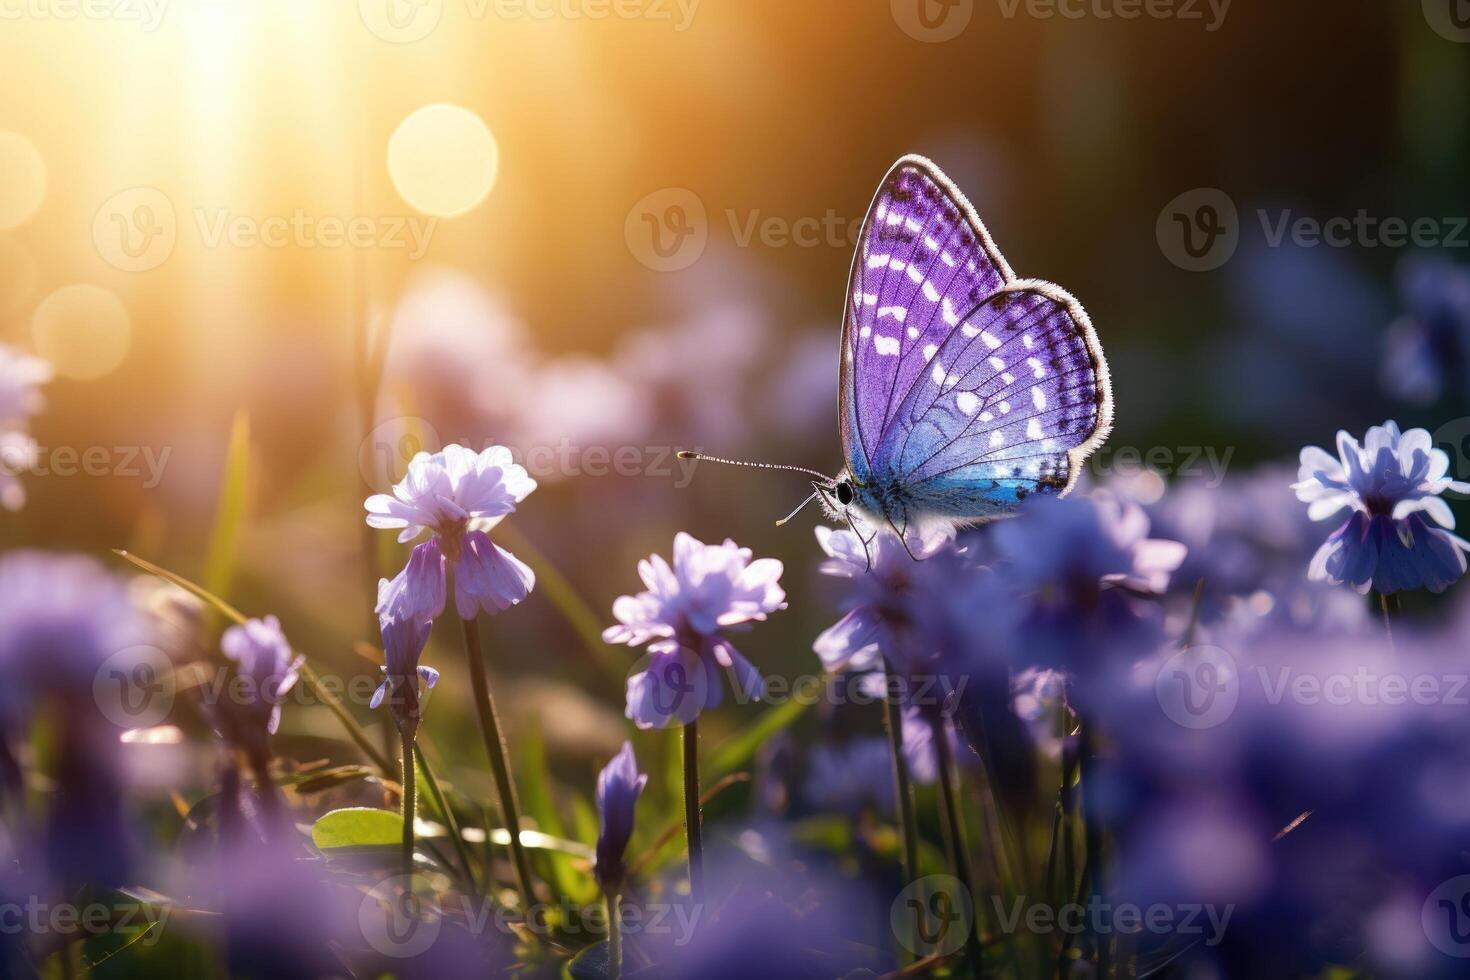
(954, 829)
(441, 804)
(614, 935)
(893, 723)
(693, 832)
(408, 782)
(495, 749)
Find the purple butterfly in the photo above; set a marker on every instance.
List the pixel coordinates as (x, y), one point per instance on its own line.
(964, 389)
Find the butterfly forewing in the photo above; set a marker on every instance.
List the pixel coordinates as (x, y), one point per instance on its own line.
(923, 261)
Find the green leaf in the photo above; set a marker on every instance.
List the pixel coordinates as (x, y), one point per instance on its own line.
(737, 751)
(229, 514)
(357, 826)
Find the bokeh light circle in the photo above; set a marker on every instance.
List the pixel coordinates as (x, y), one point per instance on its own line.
(83, 330)
(18, 275)
(22, 179)
(443, 160)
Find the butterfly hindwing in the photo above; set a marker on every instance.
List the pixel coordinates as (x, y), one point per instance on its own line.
(924, 259)
(1010, 404)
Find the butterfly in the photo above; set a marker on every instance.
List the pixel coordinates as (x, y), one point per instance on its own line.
(963, 388)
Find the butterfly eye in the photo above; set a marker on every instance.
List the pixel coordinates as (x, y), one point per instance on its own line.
(844, 493)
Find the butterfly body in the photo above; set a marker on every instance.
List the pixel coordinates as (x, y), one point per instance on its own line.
(964, 389)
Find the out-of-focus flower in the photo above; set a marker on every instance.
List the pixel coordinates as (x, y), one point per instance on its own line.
(67, 628)
(457, 496)
(1392, 484)
(265, 664)
(21, 376)
(578, 402)
(682, 616)
(618, 787)
(1427, 349)
(700, 371)
(1072, 588)
(403, 644)
(850, 777)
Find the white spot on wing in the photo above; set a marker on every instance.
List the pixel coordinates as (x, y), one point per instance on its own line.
(887, 346)
(989, 339)
(997, 440)
(1033, 429)
(929, 351)
(967, 401)
(896, 312)
(1038, 398)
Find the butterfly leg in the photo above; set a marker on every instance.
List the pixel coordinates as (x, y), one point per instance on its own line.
(847, 515)
(903, 535)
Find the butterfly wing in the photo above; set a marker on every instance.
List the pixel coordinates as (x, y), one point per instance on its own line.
(923, 260)
(963, 389)
(1011, 404)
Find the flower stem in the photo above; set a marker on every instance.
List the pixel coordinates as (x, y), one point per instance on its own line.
(495, 749)
(954, 829)
(614, 935)
(893, 723)
(693, 833)
(436, 796)
(1387, 606)
(408, 782)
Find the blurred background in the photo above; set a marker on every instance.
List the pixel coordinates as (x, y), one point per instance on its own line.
(597, 232)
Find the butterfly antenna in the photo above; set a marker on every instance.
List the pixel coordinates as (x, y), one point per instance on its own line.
(798, 509)
(688, 454)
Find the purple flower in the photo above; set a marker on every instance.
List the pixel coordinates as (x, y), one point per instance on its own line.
(682, 616)
(67, 632)
(268, 670)
(21, 375)
(457, 496)
(403, 643)
(1428, 348)
(618, 787)
(852, 776)
(1392, 485)
(1072, 588)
